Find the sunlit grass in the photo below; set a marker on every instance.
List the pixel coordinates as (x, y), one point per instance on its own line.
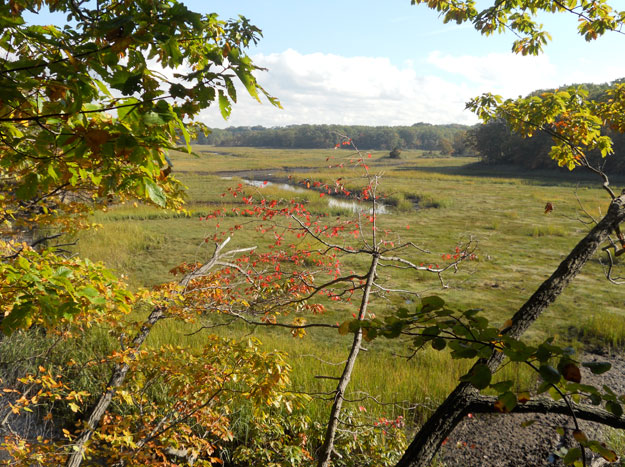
(435, 203)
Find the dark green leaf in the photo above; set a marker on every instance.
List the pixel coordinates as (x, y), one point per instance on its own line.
(614, 407)
(549, 374)
(28, 188)
(479, 376)
(432, 303)
(598, 368)
(502, 386)
(403, 313)
(431, 331)
(464, 353)
(595, 399)
(438, 343)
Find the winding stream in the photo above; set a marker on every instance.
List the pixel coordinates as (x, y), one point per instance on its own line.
(333, 202)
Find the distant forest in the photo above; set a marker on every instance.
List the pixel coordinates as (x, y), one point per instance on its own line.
(448, 139)
(493, 143)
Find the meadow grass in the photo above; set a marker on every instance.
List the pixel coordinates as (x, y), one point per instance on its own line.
(437, 203)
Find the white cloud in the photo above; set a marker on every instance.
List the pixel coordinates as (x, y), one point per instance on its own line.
(587, 71)
(501, 73)
(327, 88)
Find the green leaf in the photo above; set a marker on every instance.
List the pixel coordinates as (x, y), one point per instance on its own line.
(603, 451)
(153, 118)
(614, 407)
(464, 353)
(154, 192)
(572, 455)
(506, 402)
(549, 374)
(439, 343)
(89, 292)
(224, 105)
(394, 329)
(479, 376)
(432, 331)
(595, 399)
(418, 341)
(248, 81)
(597, 368)
(432, 303)
(19, 318)
(403, 313)
(502, 386)
(355, 325)
(129, 105)
(131, 85)
(28, 188)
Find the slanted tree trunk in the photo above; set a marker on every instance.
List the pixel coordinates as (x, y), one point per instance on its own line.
(440, 425)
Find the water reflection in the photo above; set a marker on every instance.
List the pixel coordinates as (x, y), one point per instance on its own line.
(353, 206)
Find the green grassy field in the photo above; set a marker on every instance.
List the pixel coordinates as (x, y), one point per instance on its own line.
(518, 247)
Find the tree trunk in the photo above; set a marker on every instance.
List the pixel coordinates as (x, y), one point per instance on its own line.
(328, 443)
(448, 415)
(116, 380)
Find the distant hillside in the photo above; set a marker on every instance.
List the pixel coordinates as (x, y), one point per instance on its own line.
(449, 139)
(494, 143)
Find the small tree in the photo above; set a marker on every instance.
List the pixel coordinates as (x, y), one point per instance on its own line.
(576, 125)
(395, 153)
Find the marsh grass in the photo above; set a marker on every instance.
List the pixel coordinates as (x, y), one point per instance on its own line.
(605, 328)
(547, 230)
(519, 246)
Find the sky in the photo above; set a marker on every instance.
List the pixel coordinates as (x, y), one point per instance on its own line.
(387, 62)
(391, 63)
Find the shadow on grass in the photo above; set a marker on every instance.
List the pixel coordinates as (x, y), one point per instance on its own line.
(556, 176)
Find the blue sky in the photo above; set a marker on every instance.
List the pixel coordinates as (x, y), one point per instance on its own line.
(390, 63)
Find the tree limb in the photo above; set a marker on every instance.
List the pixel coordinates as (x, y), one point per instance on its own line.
(591, 413)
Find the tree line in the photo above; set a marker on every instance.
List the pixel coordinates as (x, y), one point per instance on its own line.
(448, 139)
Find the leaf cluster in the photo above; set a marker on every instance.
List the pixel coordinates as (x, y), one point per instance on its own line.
(520, 17)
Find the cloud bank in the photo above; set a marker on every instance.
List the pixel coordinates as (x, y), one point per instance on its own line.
(326, 88)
